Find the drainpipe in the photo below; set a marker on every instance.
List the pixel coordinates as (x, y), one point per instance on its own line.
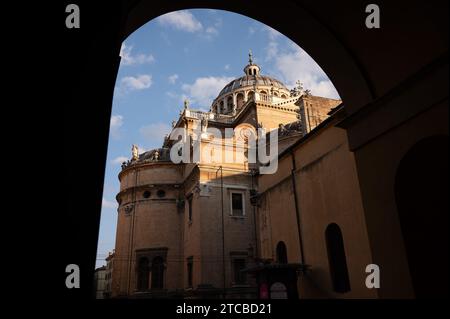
(223, 228)
(297, 208)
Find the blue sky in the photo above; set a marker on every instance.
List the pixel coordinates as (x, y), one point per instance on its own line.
(189, 54)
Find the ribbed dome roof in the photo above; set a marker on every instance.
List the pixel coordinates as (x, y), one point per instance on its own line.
(248, 80)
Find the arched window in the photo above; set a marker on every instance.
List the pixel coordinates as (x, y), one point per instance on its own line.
(281, 253)
(336, 258)
(157, 273)
(239, 100)
(283, 96)
(250, 96)
(229, 103)
(263, 96)
(246, 146)
(143, 270)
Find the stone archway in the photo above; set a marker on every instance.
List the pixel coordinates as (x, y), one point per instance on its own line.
(352, 57)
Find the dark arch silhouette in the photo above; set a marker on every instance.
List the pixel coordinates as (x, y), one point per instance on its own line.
(282, 253)
(348, 55)
(421, 193)
(157, 273)
(336, 258)
(143, 274)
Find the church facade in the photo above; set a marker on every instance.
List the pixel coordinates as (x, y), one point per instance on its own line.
(199, 228)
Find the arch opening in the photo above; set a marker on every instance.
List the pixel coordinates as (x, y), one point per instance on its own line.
(282, 253)
(157, 273)
(224, 105)
(143, 274)
(337, 259)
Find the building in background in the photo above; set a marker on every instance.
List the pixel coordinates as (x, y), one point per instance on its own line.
(100, 282)
(108, 274)
(189, 230)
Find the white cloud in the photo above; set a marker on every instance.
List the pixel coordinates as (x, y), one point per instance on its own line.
(173, 78)
(171, 94)
(271, 50)
(292, 63)
(218, 23)
(140, 82)
(272, 44)
(108, 203)
(154, 133)
(298, 65)
(181, 20)
(205, 89)
(272, 33)
(129, 59)
(116, 123)
(186, 21)
(211, 31)
(119, 160)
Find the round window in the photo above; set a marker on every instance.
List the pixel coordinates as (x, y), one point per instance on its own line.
(161, 193)
(146, 194)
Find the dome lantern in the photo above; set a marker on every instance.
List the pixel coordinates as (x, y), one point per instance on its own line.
(251, 69)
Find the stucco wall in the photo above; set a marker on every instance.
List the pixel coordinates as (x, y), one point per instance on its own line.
(327, 192)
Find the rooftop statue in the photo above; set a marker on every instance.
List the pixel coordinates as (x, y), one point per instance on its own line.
(134, 152)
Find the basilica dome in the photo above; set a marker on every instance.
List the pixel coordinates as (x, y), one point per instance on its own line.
(252, 86)
(249, 80)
